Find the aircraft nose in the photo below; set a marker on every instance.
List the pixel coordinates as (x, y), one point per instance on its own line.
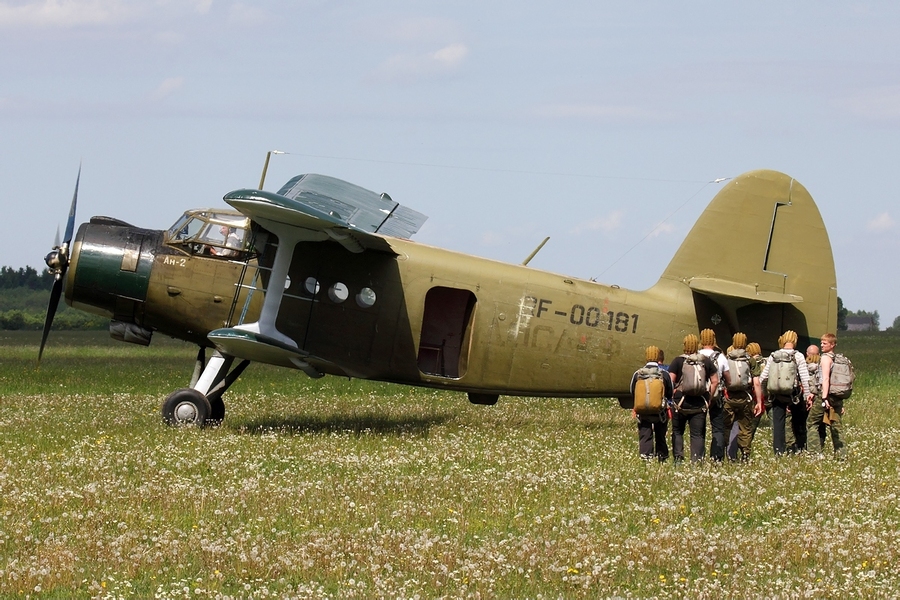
(109, 269)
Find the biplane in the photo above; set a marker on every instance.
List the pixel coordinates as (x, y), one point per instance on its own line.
(322, 277)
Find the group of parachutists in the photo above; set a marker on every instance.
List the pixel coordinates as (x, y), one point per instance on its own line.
(802, 393)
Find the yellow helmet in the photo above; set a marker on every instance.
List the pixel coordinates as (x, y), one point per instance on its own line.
(789, 337)
(691, 343)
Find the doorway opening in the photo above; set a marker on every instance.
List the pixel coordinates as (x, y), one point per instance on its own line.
(446, 332)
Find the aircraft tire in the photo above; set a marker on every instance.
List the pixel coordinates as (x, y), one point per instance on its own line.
(185, 407)
(217, 412)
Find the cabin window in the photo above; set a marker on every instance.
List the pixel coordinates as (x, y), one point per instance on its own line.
(366, 298)
(338, 292)
(311, 285)
(446, 332)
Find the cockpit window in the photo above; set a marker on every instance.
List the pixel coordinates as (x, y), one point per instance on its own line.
(211, 233)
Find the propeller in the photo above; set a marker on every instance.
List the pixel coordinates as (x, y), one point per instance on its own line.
(58, 263)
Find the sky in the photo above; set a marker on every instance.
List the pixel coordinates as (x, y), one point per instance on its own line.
(599, 124)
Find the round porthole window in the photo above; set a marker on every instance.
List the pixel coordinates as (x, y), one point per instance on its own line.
(338, 292)
(311, 286)
(287, 282)
(366, 297)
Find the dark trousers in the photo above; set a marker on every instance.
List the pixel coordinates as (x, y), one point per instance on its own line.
(780, 409)
(718, 442)
(697, 423)
(650, 431)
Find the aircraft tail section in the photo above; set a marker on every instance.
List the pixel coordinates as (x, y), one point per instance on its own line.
(758, 260)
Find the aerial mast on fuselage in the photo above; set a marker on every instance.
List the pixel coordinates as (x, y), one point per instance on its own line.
(262, 179)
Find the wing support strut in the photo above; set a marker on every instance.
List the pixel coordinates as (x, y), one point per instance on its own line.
(265, 326)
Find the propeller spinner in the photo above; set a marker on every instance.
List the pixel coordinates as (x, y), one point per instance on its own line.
(58, 262)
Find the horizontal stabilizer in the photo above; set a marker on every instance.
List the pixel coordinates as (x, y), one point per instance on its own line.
(735, 289)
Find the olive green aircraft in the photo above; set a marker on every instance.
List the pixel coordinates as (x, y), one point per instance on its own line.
(322, 277)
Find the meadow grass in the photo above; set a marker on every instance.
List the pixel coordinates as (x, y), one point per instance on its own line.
(353, 489)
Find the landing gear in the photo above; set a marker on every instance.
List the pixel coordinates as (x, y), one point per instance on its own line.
(202, 403)
(217, 412)
(186, 407)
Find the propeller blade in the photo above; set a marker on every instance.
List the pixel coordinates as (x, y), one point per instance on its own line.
(70, 226)
(56, 238)
(58, 262)
(55, 293)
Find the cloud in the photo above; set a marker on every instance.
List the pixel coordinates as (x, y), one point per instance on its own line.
(246, 14)
(167, 88)
(661, 229)
(606, 224)
(76, 13)
(64, 13)
(411, 67)
(451, 56)
(202, 6)
(881, 223)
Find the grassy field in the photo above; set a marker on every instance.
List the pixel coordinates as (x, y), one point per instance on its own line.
(351, 489)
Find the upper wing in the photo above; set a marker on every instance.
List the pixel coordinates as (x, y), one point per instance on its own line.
(329, 208)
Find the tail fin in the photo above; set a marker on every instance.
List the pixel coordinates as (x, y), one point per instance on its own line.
(758, 260)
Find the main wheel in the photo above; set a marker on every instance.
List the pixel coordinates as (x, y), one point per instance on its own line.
(186, 407)
(217, 411)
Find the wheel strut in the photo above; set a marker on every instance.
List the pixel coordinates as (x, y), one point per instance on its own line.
(201, 403)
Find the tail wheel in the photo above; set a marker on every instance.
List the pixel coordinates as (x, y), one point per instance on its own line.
(186, 407)
(483, 399)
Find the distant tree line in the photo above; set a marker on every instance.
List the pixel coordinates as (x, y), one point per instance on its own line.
(872, 318)
(24, 296)
(841, 315)
(25, 277)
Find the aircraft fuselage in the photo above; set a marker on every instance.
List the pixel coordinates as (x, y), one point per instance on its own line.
(433, 317)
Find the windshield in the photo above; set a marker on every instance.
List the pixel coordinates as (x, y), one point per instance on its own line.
(214, 233)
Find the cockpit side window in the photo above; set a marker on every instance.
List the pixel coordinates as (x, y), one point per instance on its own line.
(211, 234)
(186, 228)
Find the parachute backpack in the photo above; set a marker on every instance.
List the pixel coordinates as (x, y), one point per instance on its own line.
(815, 377)
(842, 376)
(693, 375)
(782, 373)
(738, 371)
(649, 391)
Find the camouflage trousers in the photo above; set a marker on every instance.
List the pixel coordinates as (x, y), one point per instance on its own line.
(742, 413)
(817, 429)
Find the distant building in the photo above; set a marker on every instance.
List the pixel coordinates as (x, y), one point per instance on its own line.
(861, 324)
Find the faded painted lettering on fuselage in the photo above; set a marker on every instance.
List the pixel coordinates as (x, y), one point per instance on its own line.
(554, 330)
(577, 314)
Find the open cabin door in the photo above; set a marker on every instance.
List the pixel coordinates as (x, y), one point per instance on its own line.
(446, 332)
